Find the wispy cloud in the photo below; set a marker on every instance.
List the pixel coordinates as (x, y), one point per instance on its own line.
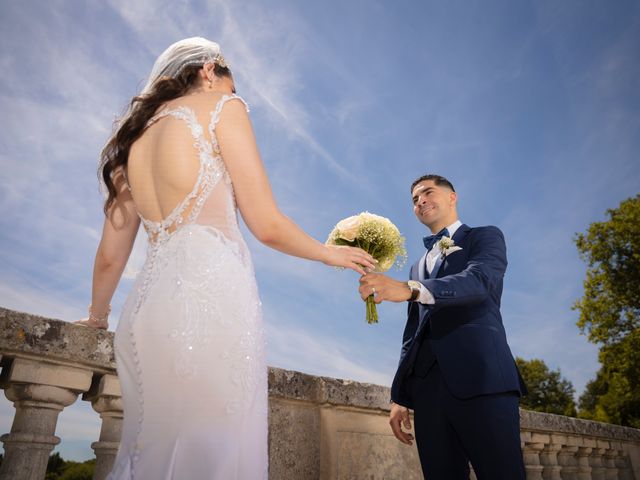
(326, 356)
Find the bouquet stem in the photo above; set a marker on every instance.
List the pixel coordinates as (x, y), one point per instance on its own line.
(372, 310)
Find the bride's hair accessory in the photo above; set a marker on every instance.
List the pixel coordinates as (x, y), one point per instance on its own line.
(216, 60)
(190, 51)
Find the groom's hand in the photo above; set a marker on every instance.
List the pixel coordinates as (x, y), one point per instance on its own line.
(398, 418)
(383, 288)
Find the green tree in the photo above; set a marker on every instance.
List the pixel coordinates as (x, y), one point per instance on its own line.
(78, 471)
(60, 469)
(55, 466)
(548, 391)
(588, 402)
(610, 314)
(614, 395)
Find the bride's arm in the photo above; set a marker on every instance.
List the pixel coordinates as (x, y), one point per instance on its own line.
(118, 234)
(255, 199)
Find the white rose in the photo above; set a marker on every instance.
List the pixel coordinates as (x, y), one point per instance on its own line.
(445, 243)
(348, 228)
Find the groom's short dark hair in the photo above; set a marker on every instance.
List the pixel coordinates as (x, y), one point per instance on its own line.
(437, 179)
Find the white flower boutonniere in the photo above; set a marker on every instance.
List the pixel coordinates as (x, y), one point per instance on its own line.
(447, 246)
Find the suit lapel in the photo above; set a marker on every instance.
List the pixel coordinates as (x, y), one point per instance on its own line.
(458, 237)
(422, 268)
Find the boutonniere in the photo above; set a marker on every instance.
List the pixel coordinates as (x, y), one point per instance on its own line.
(447, 246)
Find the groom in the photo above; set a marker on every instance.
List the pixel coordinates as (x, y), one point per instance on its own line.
(456, 370)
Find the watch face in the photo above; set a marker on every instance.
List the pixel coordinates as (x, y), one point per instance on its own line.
(414, 284)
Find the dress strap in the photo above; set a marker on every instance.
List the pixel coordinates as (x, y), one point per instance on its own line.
(162, 113)
(215, 117)
(215, 114)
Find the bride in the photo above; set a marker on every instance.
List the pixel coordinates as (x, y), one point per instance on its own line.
(190, 342)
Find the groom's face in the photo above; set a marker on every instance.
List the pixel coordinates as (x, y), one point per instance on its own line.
(434, 205)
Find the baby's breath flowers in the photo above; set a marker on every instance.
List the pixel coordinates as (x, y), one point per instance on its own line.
(376, 235)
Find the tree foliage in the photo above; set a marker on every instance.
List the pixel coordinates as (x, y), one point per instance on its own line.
(610, 306)
(614, 395)
(610, 314)
(548, 391)
(61, 469)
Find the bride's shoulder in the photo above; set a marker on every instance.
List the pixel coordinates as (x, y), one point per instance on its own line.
(218, 99)
(211, 101)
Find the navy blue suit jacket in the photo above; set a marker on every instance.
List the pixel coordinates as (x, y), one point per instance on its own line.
(464, 327)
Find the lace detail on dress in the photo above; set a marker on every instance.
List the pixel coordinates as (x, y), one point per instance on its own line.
(211, 170)
(232, 208)
(198, 342)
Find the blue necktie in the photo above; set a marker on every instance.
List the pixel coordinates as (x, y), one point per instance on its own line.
(430, 240)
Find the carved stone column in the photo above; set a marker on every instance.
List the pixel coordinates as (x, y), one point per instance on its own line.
(596, 460)
(39, 392)
(584, 469)
(611, 472)
(568, 462)
(549, 460)
(531, 453)
(622, 464)
(105, 397)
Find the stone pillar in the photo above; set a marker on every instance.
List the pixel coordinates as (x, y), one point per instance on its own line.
(584, 469)
(622, 464)
(39, 392)
(596, 460)
(531, 453)
(611, 472)
(106, 399)
(549, 460)
(568, 462)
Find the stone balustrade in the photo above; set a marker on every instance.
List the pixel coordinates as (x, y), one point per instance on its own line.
(319, 428)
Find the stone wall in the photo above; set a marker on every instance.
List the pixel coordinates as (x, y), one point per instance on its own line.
(319, 428)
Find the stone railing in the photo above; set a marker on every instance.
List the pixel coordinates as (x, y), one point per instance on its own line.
(319, 428)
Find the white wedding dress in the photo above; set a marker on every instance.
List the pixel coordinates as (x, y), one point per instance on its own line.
(190, 342)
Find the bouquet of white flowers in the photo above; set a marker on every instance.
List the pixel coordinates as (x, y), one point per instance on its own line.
(376, 235)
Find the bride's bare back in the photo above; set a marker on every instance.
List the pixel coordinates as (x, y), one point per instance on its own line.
(175, 171)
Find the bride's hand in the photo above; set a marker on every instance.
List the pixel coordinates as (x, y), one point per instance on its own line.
(350, 257)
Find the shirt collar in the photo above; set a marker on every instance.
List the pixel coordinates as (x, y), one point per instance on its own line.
(453, 227)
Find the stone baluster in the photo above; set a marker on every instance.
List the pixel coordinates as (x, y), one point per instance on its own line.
(611, 472)
(596, 460)
(568, 461)
(549, 460)
(39, 392)
(584, 469)
(106, 399)
(622, 464)
(531, 449)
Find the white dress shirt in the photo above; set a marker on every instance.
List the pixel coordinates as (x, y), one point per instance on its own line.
(426, 297)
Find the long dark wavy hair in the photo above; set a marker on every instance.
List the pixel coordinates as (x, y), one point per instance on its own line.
(115, 154)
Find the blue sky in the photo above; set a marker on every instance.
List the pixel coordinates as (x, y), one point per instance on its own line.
(529, 108)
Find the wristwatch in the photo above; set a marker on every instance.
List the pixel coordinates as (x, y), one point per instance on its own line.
(415, 288)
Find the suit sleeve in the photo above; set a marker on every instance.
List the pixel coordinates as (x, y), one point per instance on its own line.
(411, 326)
(482, 276)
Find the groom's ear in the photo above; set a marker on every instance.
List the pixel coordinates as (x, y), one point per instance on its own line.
(453, 198)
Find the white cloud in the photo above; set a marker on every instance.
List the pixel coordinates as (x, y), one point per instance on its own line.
(298, 349)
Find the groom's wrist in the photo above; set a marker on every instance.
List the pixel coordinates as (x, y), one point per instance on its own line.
(414, 290)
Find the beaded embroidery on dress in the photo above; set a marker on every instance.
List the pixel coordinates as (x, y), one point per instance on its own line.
(190, 341)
